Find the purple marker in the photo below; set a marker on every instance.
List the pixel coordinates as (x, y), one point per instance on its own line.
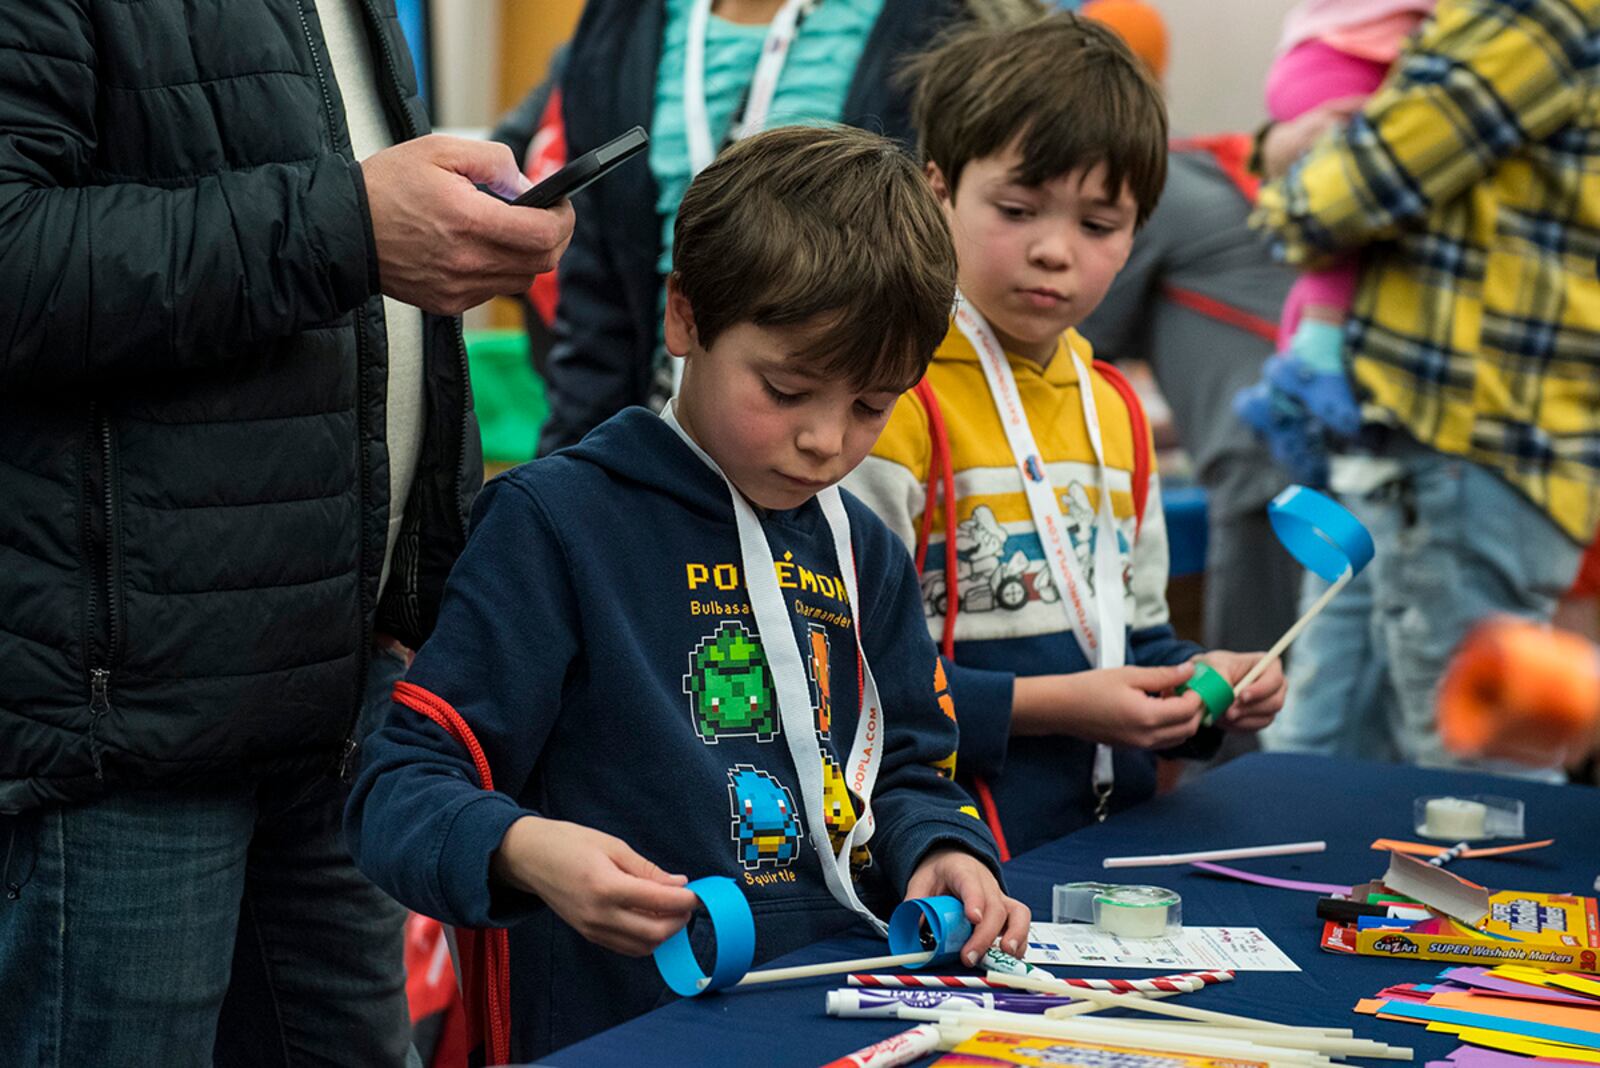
(859, 1002)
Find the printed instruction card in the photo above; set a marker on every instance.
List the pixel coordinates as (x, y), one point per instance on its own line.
(1075, 945)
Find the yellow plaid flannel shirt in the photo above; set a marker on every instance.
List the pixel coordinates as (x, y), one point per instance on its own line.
(1471, 179)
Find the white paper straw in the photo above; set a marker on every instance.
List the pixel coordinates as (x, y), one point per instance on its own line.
(1286, 849)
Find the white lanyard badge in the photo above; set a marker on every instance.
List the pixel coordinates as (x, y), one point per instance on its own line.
(781, 33)
(776, 629)
(1101, 633)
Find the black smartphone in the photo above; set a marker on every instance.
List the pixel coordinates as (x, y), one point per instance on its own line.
(585, 169)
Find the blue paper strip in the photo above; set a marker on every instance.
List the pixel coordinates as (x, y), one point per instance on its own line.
(1527, 1028)
(1320, 533)
(735, 931)
(947, 925)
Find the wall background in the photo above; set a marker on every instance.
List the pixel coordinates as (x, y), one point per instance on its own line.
(488, 53)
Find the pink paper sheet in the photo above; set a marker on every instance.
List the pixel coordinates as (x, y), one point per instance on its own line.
(1269, 880)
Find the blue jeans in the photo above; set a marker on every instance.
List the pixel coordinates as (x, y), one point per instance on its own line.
(1455, 543)
(165, 927)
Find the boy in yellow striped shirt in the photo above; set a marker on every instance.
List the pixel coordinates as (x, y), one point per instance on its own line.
(1046, 145)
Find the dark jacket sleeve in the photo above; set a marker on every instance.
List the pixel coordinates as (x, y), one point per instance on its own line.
(417, 821)
(917, 804)
(125, 278)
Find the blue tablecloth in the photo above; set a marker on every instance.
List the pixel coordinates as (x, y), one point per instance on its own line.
(1255, 800)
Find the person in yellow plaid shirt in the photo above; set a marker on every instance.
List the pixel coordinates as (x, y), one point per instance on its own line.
(1471, 184)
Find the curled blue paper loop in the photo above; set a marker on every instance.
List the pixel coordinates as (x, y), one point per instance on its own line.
(1320, 533)
(735, 931)
(947, 927)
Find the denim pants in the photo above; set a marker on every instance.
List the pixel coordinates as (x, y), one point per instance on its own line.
(1455, 544)
(181, 928)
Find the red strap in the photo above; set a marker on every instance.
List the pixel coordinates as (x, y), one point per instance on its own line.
(1224, 313)
(485, 952)
(1141, 438)
(942, 472)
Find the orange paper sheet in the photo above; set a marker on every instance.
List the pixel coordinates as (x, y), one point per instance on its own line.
(1580, 1017)
(1424, 849)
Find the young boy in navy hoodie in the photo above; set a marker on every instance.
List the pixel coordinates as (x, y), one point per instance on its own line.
(645, 716)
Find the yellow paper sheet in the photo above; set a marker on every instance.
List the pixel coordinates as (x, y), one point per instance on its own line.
(1577, 984)
(1531, 1047)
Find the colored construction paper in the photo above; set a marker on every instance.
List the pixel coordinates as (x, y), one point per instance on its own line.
(1581, 1019)
(1510, 987)
(1425, 849)
(1468, 1057)
(1577, 982)
(1531, 1047)
(1269, 880)
(1545, 1032)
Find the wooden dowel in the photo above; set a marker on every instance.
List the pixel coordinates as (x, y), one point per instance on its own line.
(1294, 632)
(838, 967)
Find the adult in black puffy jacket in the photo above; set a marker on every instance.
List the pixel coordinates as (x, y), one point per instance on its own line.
(607, 323)
(235, 444)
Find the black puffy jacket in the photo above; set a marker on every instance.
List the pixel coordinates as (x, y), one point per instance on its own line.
(193, 473)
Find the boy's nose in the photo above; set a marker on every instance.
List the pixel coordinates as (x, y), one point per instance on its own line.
(1051, 252)
(822, 438)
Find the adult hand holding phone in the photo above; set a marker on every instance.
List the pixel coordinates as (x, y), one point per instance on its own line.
(442, 245)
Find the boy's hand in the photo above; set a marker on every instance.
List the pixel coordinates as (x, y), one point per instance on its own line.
(1254, 708)
(608, 893)
(1109, 705)
(993, 915)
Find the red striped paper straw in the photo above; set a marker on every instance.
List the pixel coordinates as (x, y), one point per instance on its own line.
(1181, 983)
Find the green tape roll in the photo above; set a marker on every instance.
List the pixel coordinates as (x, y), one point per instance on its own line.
(1215, 692)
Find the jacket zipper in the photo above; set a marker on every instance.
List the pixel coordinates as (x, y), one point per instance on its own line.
(347, 750)
(391, 84)
(102, 596)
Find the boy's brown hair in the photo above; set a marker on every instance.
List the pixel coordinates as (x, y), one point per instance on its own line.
(822, 225)
(1065, 89)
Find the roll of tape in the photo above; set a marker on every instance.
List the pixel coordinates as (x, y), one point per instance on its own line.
(1138, 911)
(735, 931)
(1320, 533)
(923, 923)
(1455, 818)
(1215, 692)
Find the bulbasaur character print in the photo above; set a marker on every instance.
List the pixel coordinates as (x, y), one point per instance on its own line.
(730, 686)
(766, 829)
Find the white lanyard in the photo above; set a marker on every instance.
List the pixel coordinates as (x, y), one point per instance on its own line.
(1101, 635)
(763, 85)
(795, 713)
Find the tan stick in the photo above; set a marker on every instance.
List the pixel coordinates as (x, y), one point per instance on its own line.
(1294, 632)
(838, 967)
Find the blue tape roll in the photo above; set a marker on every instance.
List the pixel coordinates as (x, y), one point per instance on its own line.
(947, 923)
(735, 931)
(1320, 532)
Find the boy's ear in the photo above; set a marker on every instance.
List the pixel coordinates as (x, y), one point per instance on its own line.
(941, 188)
(679, 332)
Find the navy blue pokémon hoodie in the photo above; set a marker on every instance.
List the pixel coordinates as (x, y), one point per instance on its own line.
(597, 638)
